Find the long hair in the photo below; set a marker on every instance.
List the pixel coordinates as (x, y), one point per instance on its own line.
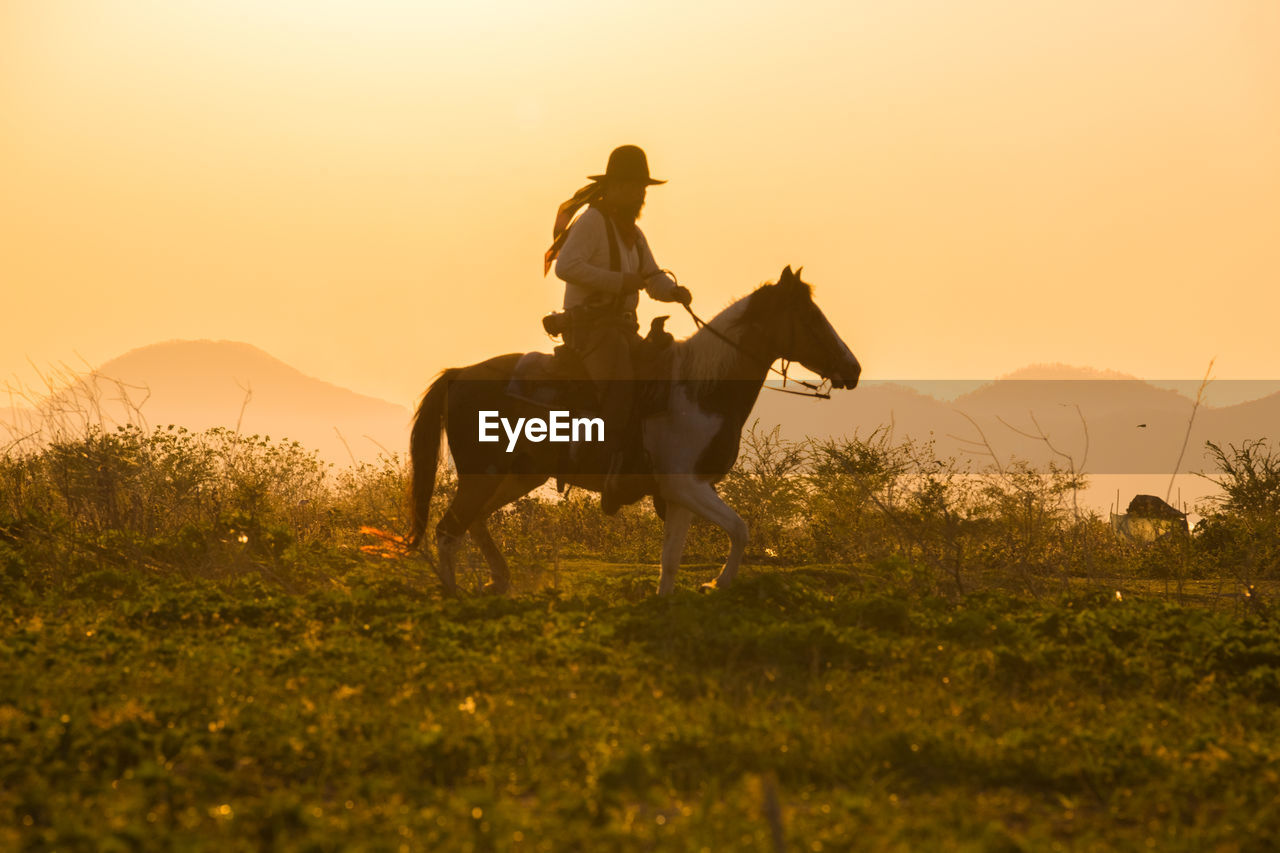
(589, 194)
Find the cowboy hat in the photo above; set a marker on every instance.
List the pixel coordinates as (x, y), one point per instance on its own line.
(627, 163)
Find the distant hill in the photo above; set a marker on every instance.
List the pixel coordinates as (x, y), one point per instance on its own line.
(1130, 426)
(1058, 370)
(202, 384)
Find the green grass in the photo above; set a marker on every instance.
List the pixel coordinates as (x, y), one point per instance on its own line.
(370, 714)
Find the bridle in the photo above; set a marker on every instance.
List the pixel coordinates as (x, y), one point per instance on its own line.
(821, 391)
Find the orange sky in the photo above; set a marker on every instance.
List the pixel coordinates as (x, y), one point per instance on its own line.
(365, 189)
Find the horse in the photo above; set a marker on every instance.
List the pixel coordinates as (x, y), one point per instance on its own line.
(713, 379)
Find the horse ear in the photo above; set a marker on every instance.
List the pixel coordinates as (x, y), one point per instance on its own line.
(798, 271)
(786, 274)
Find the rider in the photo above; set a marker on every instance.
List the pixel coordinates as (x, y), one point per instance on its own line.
(605, 262)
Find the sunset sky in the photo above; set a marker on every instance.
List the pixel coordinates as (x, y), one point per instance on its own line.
(365, 189)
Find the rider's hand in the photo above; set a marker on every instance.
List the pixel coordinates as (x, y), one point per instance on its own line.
(682, 295)
(632, 282)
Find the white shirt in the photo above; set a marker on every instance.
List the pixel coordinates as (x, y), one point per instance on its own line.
(583, 263)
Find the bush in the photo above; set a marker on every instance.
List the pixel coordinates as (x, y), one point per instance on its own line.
(1240, 531)
(216, 503)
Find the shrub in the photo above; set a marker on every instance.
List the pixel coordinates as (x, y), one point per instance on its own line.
(1240, 531)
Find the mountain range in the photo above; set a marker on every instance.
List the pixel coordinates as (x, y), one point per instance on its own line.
(203, 384)
(1103, 426)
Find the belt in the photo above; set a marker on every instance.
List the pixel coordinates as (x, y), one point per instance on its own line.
(595, 314)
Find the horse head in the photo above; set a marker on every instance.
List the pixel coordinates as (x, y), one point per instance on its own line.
(789, 325)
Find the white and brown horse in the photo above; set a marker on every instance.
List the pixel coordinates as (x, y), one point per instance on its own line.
(714, 377)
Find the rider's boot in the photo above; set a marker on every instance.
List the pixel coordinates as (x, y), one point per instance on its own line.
(612, 495)
(616, 409)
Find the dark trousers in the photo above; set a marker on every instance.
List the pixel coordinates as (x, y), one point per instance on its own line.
(605, 349)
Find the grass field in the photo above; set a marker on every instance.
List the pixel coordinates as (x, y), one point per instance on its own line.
(807, 708)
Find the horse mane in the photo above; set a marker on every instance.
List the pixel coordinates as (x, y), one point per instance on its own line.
(704, 356)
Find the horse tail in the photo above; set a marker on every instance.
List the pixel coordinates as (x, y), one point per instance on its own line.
(424, 453)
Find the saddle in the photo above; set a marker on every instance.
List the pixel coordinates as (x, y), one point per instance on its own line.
(558, 380)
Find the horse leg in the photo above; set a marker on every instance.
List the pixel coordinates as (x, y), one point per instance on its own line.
(467, 506)
(449, 533)
(700, 497)
(498, 569)
(506, 490)
(676, 529)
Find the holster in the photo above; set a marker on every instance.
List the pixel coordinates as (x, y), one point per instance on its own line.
(558, 322)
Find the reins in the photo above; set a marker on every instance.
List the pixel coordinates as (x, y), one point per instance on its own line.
(815, 391)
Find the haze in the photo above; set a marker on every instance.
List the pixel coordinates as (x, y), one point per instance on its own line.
(365, 190)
